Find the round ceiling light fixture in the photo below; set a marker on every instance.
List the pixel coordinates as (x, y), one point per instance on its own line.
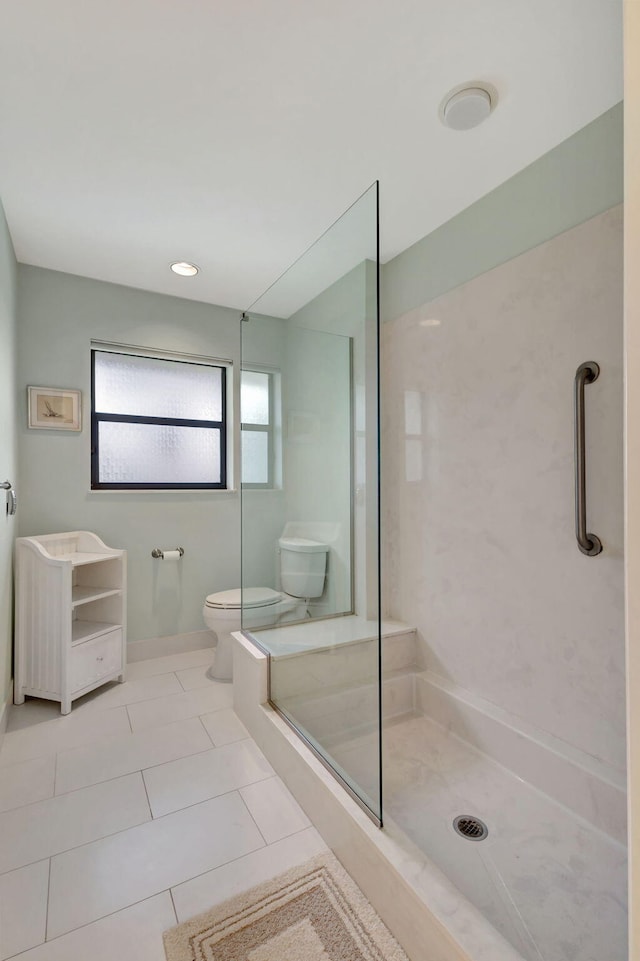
(184, 269)
(466, 107)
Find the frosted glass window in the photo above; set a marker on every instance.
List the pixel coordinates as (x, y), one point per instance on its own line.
(150, 387)
(254, 397)
(255, 457)
(257, 402)
(158, 454)
(157, 423)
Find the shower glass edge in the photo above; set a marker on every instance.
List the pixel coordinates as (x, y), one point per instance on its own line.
(310, 343)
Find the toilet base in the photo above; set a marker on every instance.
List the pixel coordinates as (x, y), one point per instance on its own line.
(222, 667)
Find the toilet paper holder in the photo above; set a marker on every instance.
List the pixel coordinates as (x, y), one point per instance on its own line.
(158, 552)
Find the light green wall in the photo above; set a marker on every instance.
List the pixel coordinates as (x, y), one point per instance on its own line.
(59, 315)
(8, 459)
(349, 308)
(577, 180)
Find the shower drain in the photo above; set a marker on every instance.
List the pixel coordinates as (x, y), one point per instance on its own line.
(469, 827)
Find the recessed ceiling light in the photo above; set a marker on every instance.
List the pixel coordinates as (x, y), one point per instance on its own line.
(184, 269)
(466, 107)
(430, 322)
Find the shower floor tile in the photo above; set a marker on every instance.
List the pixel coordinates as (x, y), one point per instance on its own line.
(553, 885)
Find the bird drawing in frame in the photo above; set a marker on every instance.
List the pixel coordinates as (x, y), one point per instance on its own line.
(50, 412)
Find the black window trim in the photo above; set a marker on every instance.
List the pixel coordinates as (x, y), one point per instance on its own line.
(97, 417)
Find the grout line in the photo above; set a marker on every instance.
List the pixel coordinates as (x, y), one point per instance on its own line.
(54, 748)
(144, 784)
(171, 670)
(123, 774)
(180, 883)
(169, 889)
(99, 737)
(200, 716)
(173, 905)
(214, 798)
(310, 827)
(74, 847)
(251, 815)
(84, 787)
(103, 837)
(46, 921)
(136, 770)
(148, 727)
(88, 924)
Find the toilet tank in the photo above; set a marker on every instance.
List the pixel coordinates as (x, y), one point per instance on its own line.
(303, 566)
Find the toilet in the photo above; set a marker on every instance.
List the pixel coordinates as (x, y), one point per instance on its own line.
(303, 568)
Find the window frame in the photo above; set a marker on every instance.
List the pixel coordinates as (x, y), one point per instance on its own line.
(97, 417)
(269, 429)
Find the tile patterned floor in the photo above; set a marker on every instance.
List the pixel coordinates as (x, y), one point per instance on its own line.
(146, 805)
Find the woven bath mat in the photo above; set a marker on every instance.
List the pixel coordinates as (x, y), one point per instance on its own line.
(314, 912)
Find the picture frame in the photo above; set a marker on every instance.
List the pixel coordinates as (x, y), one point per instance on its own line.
(54, 408)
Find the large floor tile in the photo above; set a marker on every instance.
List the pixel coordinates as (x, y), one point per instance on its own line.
(193, 779)
(35, 710)
(38, 734)
(39, 830)
(194, 677)
(26, 782)
(126, 753)
(180, 706)
(224, 882)
(94, 880)
(134, 934)
(224, 727)
(130, 692)
(274, 809)
(23, 908)
(172, 662)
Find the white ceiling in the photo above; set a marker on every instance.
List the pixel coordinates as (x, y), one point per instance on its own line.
(232, 132)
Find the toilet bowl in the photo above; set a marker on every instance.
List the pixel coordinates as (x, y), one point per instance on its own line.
(303, 565)
(262, 607)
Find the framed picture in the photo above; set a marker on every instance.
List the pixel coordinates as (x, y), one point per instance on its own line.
(54, 409)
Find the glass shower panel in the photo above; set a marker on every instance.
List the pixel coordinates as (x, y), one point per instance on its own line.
(311, 534)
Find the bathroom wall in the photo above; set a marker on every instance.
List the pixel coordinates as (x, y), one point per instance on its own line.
(8, 453)
(263, 511)
(348, 309)
(480, 552)
(579, 178)
(317, 452)
(59, 315)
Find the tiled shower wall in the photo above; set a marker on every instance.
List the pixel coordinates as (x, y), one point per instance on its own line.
(478, 498)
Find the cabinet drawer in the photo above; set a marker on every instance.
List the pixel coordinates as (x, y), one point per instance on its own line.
(95, 659)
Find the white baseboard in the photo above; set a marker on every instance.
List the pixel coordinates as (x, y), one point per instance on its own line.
(4, 712)
(173, 644)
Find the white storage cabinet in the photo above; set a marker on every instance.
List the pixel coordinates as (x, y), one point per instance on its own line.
(71, 603)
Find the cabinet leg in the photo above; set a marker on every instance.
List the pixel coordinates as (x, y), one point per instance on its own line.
(120, 679)
(65, 705)
(18, 698)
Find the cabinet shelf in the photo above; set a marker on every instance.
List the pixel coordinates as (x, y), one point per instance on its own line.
(84, 595)
(82, 631)
(79, 558)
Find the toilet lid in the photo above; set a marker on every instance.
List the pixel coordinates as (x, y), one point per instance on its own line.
(237, 598)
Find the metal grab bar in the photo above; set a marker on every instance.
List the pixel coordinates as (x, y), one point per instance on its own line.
(589, 544)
